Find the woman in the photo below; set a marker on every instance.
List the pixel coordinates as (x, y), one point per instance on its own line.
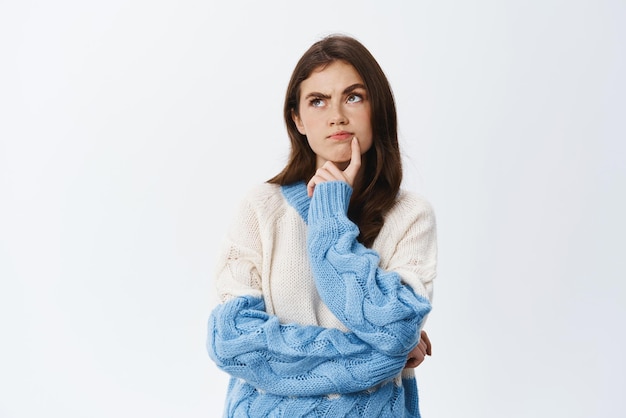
(326, 275)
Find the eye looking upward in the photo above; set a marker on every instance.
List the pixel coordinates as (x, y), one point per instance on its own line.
(355, 93)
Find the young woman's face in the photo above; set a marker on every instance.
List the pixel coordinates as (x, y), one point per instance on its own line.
(334, 107)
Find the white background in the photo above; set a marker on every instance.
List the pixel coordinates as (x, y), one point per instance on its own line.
(129, 129)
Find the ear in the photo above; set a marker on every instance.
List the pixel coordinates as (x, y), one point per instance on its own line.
(296, 119)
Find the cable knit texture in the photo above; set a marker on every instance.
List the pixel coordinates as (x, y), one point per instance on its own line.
(312, 323)
(369, 301)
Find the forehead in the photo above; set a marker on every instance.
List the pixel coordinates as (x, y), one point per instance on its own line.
(333, 77)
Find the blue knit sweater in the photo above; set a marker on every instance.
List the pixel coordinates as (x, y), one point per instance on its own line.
(292, 370)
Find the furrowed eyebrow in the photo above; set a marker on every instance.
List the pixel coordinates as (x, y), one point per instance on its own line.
(347, 90)
(316, 95)
(353, 87)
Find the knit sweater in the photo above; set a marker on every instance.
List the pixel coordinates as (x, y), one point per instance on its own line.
(312, 323)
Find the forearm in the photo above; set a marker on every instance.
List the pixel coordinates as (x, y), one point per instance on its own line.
(371, 302)
(292, 360)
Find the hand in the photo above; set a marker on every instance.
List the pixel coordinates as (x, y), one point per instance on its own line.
(330, 172)
(421, 350)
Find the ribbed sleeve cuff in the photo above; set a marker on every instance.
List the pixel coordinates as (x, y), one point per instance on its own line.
(329, 199)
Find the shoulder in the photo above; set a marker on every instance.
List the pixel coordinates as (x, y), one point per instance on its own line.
(412, 206)
(255, 214)
(263, 199)
(259, 193)
(411, 214)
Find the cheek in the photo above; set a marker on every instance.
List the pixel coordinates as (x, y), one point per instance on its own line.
(366, 130)
(310, 123)
(364, 119)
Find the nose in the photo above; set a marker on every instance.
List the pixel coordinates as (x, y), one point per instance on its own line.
(337, 116)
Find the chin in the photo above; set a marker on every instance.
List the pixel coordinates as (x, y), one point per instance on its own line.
(342, 159)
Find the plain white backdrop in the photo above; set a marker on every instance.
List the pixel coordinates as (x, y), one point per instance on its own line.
(129, 130)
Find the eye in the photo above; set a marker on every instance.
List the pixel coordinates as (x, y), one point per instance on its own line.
(316, 102)
(354, 98)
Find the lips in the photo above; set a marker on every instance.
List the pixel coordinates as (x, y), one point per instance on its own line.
(341, 135)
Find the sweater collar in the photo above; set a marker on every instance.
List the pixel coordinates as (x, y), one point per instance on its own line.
(296, 195)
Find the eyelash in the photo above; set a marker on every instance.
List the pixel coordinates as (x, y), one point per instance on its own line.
(356, 95)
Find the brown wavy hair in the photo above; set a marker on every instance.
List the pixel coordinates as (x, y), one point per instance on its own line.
(375, 194)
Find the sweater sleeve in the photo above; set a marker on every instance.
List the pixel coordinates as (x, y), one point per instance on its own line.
(373, 303)
(290, 359)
